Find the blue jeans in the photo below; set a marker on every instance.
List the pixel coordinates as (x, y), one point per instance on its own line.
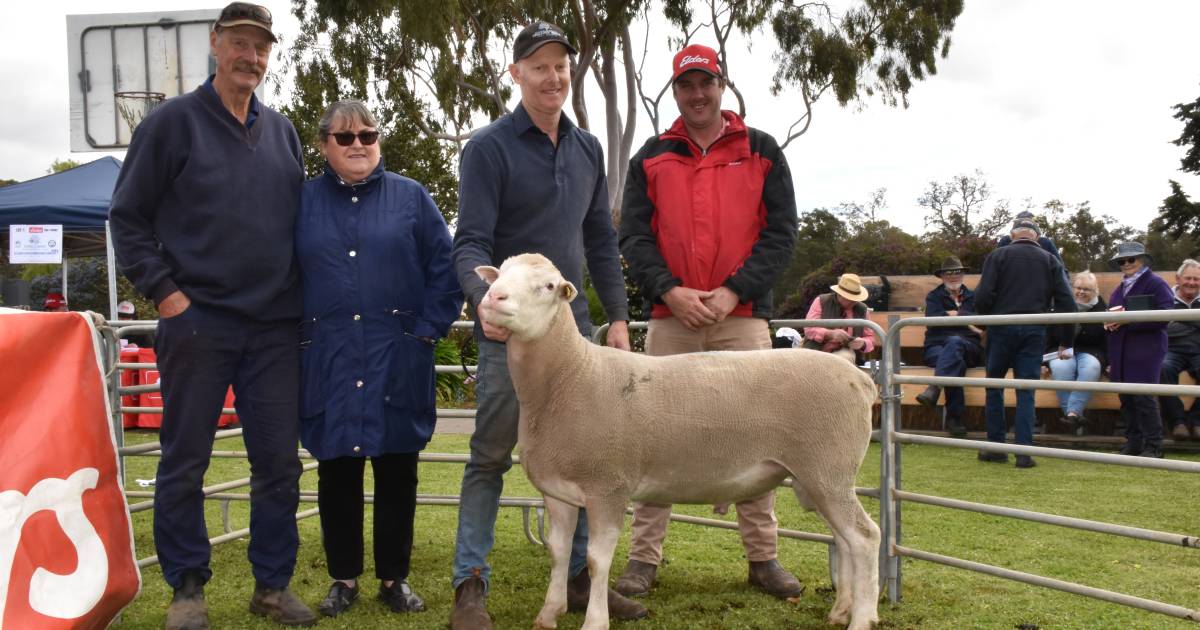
(1174, 364)
(952, 358)
(491, 456)
(1082, 368)
(1018, 348)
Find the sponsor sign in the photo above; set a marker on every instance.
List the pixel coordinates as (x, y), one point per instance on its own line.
(35, 244)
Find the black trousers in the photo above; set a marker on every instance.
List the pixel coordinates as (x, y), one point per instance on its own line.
(1143, 429)
(200, 353)
(340, 498)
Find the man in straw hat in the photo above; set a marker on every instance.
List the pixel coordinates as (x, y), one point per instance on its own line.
(707, 257)
(845, 301)
(950, 350)
(1020, 278)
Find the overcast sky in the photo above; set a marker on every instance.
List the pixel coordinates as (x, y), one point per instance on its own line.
(1067, 99)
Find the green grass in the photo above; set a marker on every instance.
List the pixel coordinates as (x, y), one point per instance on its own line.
(702, 583)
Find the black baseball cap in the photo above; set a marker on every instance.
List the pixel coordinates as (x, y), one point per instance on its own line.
(246, 14)
(535, 36)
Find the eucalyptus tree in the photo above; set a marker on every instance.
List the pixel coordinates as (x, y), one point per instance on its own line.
(441, 65)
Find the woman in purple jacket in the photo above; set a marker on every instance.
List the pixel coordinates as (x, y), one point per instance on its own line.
(1136, 351)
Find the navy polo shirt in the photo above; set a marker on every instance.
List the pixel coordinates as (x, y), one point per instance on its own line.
(251, 114)
(520, 193)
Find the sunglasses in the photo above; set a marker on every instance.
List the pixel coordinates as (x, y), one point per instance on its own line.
(243, 10)
(346, 138)
(1127, 261)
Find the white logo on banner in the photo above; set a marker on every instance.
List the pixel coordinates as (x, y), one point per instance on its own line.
(60, 596)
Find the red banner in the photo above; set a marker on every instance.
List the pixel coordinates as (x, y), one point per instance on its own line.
(66, 542)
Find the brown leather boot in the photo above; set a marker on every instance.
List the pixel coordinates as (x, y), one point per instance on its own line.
(637, 580)
(470, 605)
(619, 607)
(772, 578)
(281, 606)
(188, 610)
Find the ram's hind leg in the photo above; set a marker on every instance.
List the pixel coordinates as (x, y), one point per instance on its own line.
(857, 539)
(563, 517)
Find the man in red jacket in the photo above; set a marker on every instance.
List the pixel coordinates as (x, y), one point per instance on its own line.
(708, 222)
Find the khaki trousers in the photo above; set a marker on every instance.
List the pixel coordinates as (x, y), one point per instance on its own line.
(756, 517)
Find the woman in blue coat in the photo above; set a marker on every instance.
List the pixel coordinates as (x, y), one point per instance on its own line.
(1136, 351)
(378, 289)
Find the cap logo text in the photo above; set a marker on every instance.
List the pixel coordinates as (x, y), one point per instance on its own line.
(693, 59)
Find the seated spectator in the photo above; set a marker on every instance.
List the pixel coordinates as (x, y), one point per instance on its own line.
(950, 350)
(55, 303)
(1183, 353)
(1086, 360)
(852, 343)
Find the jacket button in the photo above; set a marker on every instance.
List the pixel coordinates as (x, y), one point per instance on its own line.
(358, 384)
(357, 449)
(354, 199)
(353, 253)
(357, 317)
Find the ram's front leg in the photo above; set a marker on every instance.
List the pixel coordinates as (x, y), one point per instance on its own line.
(605, 519)
(563, 518)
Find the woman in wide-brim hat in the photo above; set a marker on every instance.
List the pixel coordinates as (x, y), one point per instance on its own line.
(1136, 351)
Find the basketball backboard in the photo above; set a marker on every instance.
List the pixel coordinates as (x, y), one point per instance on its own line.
(163, 52)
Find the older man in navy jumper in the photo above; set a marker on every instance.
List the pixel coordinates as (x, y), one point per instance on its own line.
(202, 220)
(531, 181)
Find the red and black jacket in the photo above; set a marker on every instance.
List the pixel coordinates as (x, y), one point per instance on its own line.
(703, 218)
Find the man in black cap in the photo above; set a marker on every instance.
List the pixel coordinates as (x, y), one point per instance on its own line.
(950, 350)
(202, 220)
(529, 182)
(1020, 278)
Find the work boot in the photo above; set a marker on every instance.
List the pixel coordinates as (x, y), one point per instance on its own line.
(1131, 448)
(992, 458)
(1025, 461)
(1152, 450)
(637, 580)
(281, 606)
(619, 607)
(1180, 432)
(772, 578)
(188, 610)
(470, 605)
(956, 427)
(930, 396)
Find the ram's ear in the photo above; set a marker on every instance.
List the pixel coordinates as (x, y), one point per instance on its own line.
(567, 291)
(487, 273)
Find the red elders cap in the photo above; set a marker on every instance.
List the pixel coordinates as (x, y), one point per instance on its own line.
(695, 57)
(54, 300)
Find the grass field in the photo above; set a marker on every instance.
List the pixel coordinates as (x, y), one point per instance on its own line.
(703, 581)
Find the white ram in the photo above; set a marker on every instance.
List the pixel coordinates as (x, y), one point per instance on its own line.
(600, 426)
